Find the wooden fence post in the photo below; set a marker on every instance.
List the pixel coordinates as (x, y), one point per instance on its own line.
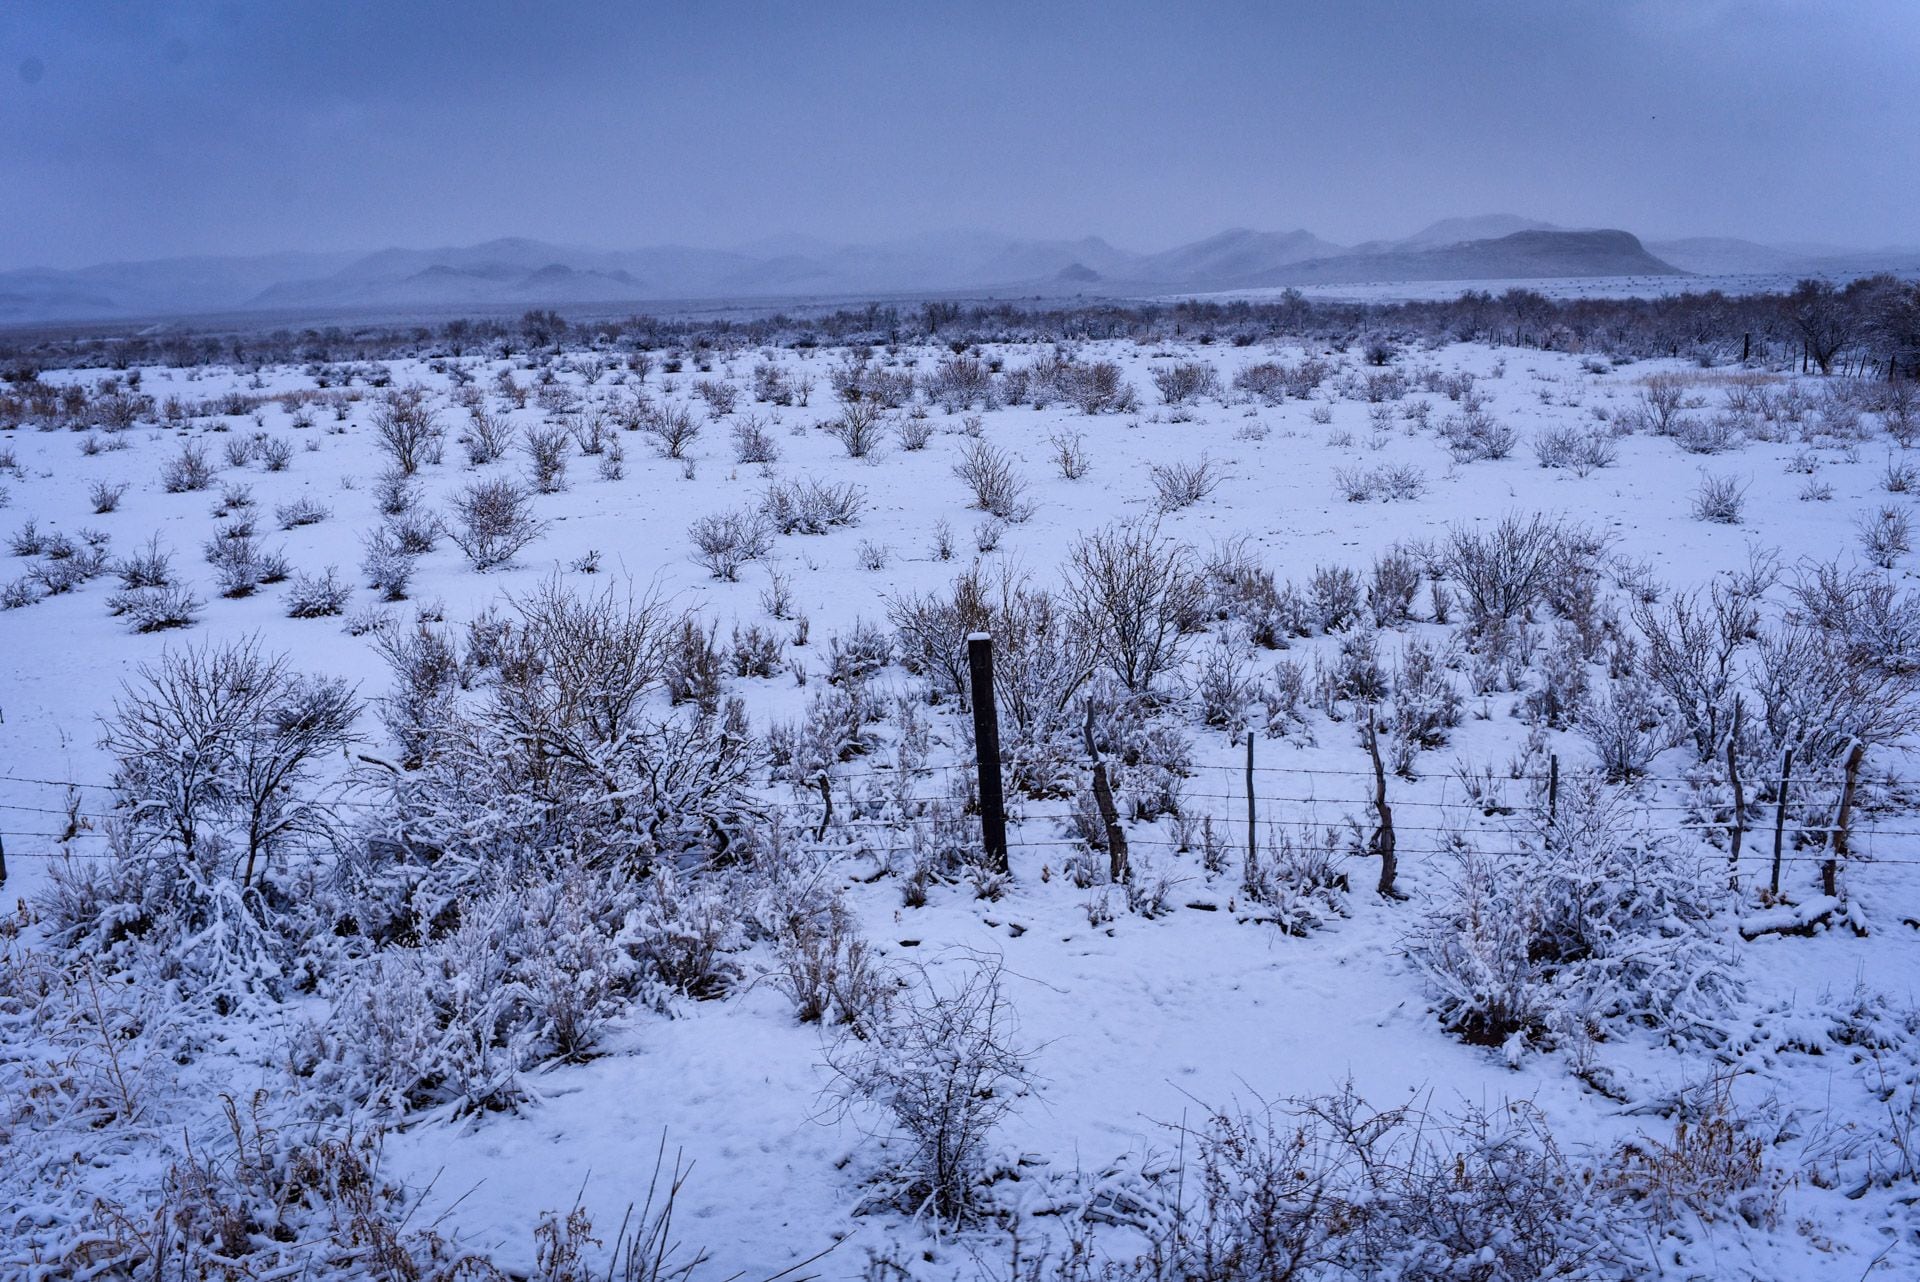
(1117, 870)
(1383, 839)
(986, 750)
(1737, 830)
(1780, 817)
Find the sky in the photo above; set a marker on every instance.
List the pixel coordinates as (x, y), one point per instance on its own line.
(143, 130)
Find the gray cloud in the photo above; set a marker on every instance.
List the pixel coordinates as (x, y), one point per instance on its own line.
(138, 130)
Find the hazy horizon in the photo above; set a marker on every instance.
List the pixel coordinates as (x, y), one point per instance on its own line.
(133, 132)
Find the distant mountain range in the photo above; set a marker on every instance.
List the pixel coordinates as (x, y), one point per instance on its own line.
(517, 272)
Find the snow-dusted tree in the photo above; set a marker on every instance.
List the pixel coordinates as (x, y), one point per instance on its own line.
(217, 749)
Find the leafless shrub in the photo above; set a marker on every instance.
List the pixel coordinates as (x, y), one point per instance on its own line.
(673, 428)
(317, 596)
(1181, 485)
(487, 437)
(1476, 434)
(810, 505)
(546, 451)
(1186, 382)
(105, 496)
(859, 428)
(1719, 499)
(1070, 454)
(1583, 450)
(1135, 594)
(1503, 571)
(752, 442)
(408, 429)
(492, 521)
(188, 470)
(1714, 435)
(720, 397)
(1887, 535)
(725, 541)
(301, 511)
(913, 432)
(944, 1064)
(995, 481)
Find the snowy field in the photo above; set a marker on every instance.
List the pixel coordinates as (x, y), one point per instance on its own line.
(1730, 1076)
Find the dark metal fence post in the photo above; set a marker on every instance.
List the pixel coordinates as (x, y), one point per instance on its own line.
(986, 750)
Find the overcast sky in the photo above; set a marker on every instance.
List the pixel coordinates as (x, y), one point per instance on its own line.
(138, 130)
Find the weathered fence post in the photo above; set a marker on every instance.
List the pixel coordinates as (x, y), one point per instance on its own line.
(1117, 871)
(1737, 830)
(1253, 843)
(986, 750)
(1383, 839)
(1780, 817)
(1838, 843)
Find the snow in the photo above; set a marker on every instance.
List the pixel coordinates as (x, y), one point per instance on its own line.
(1139, 1024)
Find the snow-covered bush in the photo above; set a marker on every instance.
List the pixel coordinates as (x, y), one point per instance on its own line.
(945, 1064)
(998, 488)
(810, 505)
(1601, 925)
(725, 541)
(1186, 382)
(492, 522)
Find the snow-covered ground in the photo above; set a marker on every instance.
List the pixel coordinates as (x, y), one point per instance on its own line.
(1138, 1023)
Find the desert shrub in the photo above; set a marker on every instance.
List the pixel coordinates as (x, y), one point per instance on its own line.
(187, 471)
(1135, 595)
(944, 1064)
(1627, 728)
(1583, 450)
(811, 505)
(860, 427)
(673, 428)
(720, 397)
(830, 973)
(1393, 585)
(1476, 434)
(276, 453)
(240, 565)
(1603, 925)
(1714, 435)
(756, 652)
(1327, 1186)
(1886, 535)
(546, 451)
(695, 669)
(959, 383)
(408, 429)
(487, 437)
(1503, 572)
(998, 488)
(913, 432)
(1265, 380)
(725, 541)
(752, 442)
(1719, 499)
(387, 566)
(1181, 485)
(105, 496)
(1334, 597)
(1186, 382)
(301, 511)
(318, 596)
(492, 521)
(1094, 387)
